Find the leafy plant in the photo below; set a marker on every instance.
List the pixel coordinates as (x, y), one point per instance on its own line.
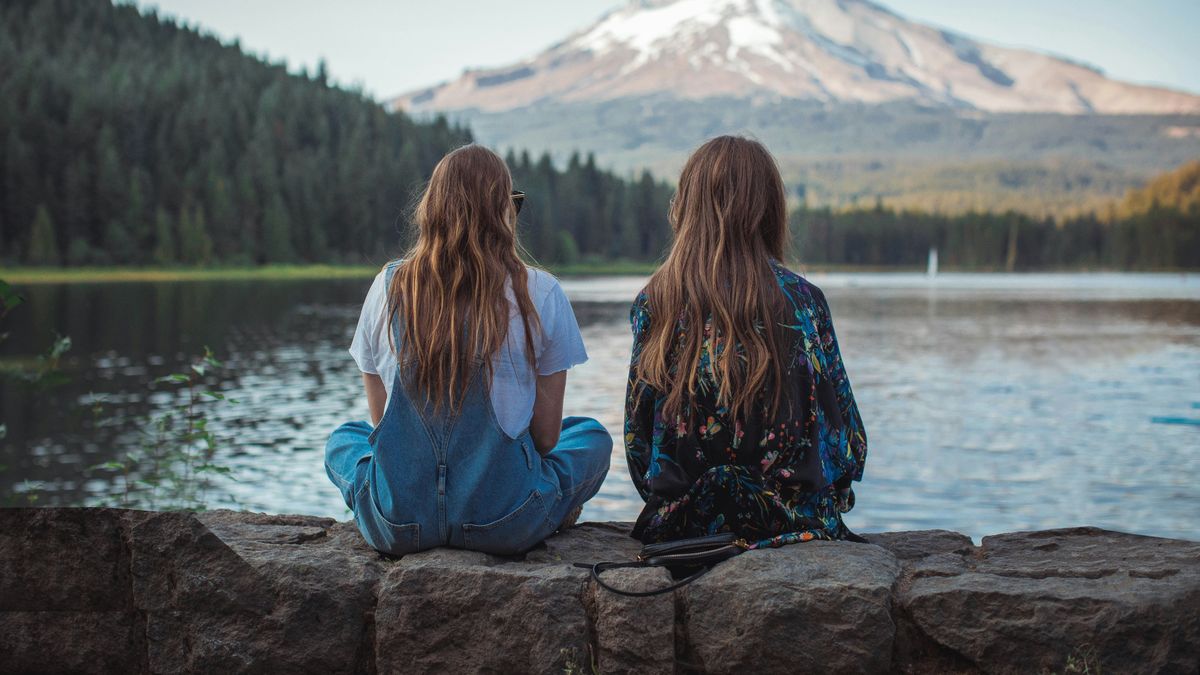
(174, 466)
(1082, 660)
(47, 374)
(8, 301)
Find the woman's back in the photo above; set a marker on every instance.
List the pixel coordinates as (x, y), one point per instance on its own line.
(464, 352)
(813, 442)
(739, 415)
(440, 472)
(557, 346)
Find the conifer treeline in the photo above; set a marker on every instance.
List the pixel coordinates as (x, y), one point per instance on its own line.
(131, 140)
(1154, 227)
(1160, 238)
(583, 213)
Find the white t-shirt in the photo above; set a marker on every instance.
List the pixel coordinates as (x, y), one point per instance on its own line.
(514, 386)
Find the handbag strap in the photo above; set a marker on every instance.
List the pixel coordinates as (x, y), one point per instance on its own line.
(662, 560)
(850, 536)
(599, 567)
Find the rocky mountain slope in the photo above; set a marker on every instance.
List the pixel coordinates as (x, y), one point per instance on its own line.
(833, 51)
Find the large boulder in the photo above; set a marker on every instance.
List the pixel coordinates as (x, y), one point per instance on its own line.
(633, 634)
(1037, 601)
(447, 610)
(65, 593)
(814, 607)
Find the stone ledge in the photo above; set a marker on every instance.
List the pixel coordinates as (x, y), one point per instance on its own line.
(135, 591)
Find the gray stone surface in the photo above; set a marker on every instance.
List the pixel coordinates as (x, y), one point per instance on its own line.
(815, 607)
(131, 591)
(1032, 601)
(459, 611)
(80, 642)
(633, 635)
(42, 556)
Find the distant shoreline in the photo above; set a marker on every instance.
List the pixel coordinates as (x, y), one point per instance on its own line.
(59, 275)
(64, 275)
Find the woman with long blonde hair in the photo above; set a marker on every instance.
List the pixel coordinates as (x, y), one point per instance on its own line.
(739, 416)
(464, 352)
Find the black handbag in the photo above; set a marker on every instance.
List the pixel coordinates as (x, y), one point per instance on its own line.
(691, 557)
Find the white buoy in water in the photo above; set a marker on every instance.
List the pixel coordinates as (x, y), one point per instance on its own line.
(931, 268)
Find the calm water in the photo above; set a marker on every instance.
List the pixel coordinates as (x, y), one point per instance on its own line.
(992, 403)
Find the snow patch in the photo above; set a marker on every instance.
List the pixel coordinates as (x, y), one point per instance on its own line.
(756, 37)
(645, 30)
(650, 31)
(750, 32)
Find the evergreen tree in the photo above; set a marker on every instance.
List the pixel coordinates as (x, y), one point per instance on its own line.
(276, 229)
(224, 222)
(112, 181)
(80, 252)
(137, 214)
(43, 243)
(568, 250)
(195, 246)
(18, 188)
(77, 203)
(119, 246)
(649, 209)
(165, 251)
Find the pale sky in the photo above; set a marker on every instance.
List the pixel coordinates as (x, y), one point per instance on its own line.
(393, 47)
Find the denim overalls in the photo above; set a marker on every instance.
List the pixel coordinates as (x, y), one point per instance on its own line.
(420, 479)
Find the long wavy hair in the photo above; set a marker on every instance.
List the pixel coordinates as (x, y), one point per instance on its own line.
(716, 295)
(449, 292)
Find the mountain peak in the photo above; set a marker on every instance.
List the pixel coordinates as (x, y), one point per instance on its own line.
(822, 50)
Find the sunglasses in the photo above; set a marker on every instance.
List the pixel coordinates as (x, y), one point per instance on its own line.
(518, 198)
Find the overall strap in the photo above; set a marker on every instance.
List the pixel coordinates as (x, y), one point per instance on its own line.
(439, 426)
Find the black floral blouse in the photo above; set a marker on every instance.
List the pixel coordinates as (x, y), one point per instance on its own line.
(771, 481)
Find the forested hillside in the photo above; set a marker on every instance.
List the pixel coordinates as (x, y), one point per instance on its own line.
(1155, 227)
(131, 140)
(1178, 190)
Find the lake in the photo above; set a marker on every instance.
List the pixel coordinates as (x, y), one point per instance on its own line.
(992, 402)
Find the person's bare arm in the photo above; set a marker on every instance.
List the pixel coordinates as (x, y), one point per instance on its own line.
(376, 396)
(547, 411)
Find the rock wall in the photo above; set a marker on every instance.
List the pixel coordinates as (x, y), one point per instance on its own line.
(105, 590)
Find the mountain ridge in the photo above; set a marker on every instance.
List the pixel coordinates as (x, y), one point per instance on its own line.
(831, 51)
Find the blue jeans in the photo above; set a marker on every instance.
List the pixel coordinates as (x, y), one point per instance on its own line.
(421, 479)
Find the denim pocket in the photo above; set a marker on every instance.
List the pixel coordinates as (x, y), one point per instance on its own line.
(381, 533)
(532, 458)
(515, 533)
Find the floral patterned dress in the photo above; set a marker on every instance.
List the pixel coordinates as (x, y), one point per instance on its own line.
(772, 480)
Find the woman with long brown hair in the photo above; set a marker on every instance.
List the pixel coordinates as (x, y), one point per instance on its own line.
(464, 352)
(739, 416)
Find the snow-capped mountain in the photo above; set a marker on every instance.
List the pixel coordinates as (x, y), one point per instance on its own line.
(819, 50)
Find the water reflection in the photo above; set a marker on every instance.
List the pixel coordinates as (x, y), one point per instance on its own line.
(992, 403)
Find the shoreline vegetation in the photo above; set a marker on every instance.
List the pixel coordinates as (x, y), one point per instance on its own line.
(28, 276)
